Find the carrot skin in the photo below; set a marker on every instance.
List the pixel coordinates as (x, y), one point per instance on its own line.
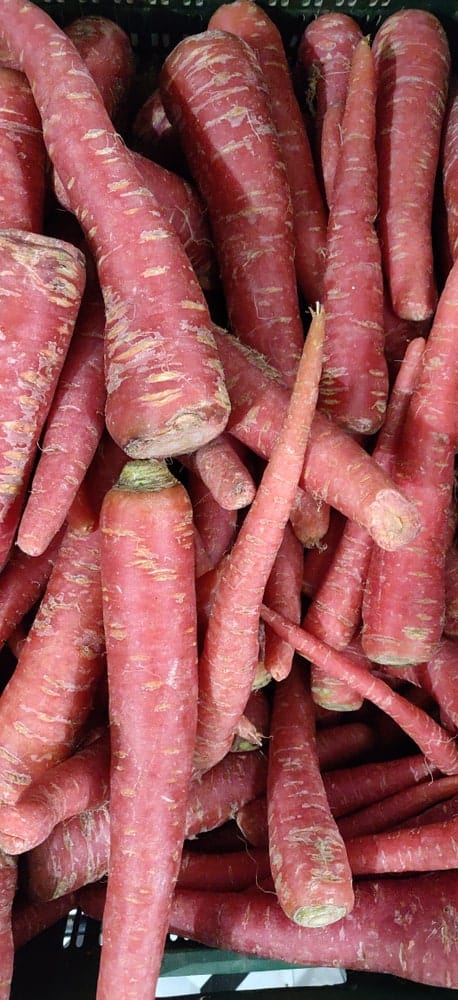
(216, 525)
(224, 147)
(439, 676)
(395, 808)
(75, 853)
(168, 329)
(22, 171)
(109, 57)
(235, 870)
(353, 788)
(432, 739)
(354, 386)
(216, 795)
(226, 677)
(104, 470)
(247, 20)
(449, 163)
(410, 947)
(22, 583)
(343, 744)
(43, 708)
(30, 919)
(8, 884)
(223, 471)
(147, 561)
(308, 860)
(63, 461)
(451, 591)
(283, 592)
(413, 64)
(428, 848)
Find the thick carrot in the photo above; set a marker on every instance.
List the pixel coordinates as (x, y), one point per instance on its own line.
(413, 64)
(22, 170)
(8, 883)
(75, 785)
(22, 584)
(392, 810)
(337, 469)
(216, 525)
(49, 697)
(403, 620)
(64, 458)
(429, 848)
(354, 386)
(214, 91)
(356, 787)
(309, 518)
(41, 289)
(109, 57)
(226, 674)
(230, 871)
(322, 66)
(221, 468)
(147, 562)
(165, 388)
(335, 612)
(217, 795)
(283, 592)
(75, 853)
(406, 928)
(434, 741)
(309, 866)
(249, 21)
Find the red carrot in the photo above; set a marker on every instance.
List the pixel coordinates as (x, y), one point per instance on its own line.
(30, 919)
(451, 591)
(335, 612)
(147, 561)
(64, 458)
(413, 64)
(8, 880)
(449, 163)
(309, 518)
(222, 470)
(318, 560)
(403, 620)
(75, 785)
(225, 139)
(154, 407)
(429, 848)
(354, 386)
(216, 525)
(223, 872)
(398, 335)
(226, 676)
(75, 852)
(344, 744)
(395, 808)
(109, 57)
(407, 929)
(435, 814)
(439, 676)
(430, 737)
(42, 284)
(332, 692)
(217, 795)
(322, 66)
(353, 788)
(307, 855)
(251, 820)
(106, 466)
(22, 171)
(22, 583)
(247, 20)
(49, 697)
(254, 726)
(337, 469)
(283, 593)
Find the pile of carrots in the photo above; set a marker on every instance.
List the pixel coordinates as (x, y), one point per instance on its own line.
(229, 571)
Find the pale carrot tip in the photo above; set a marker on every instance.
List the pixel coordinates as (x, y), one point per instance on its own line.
(319, 916)
(145, 475)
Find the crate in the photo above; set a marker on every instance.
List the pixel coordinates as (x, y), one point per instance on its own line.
(62, 962)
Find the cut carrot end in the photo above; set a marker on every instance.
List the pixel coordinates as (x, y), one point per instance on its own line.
(319, 916)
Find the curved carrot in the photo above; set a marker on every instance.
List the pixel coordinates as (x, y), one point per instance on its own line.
(22, 155)
(165, 387)
(222, 469)
(147, 567)
(226, 677)
(249, 21)
(413, 63)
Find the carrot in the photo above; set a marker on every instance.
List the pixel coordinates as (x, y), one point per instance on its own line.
(64, 458)
(216, 525)
(343, 744)
(222, 469)
(449, 164)
(161, 400)
(398, 335)
(337, 470)
(403, 620)
(46, 277)
(22, 583)
(226, 676)
(439, 677)
(147, 561)
(49, 697)
(230, 871)
(251, 820)
(77, 784)
(309, 518)
(249, 21)
(335, 612)
(106, 466)
(431, 738)
(29, 919)
(8, 882)
(109, 57)
(332, 692)
(428, 848)
(395, 808)
(356, 787)
(254, 726)
(413, 63)
(435, 814)
(307, 855)
(354, 386)
(214, 91)
(451, 591)
(322, 66)
(75, 853)
(22, 172)
(318, 560)
(283, 592)
(217, 795)
(405, 928)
